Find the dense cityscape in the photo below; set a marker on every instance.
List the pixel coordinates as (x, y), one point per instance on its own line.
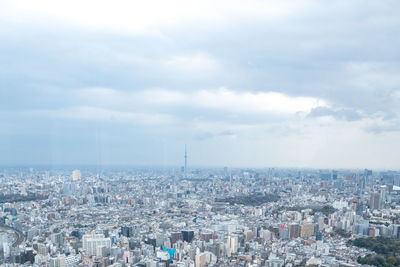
(290, 110)
(155, 217)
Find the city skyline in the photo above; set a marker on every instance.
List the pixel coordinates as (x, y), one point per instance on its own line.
(212, 133)
(204, 217)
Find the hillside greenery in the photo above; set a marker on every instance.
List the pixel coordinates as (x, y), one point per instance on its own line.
(387, 249)
(326, 210)
(250, 200)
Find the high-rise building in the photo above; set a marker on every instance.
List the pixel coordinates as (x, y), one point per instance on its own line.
(284, 232)
(234, 243)
(58, 261)
(175, 237)
(76, 175)
(57, 239)
(266, 234)
(294, 230)
(206, 236)
(69, 189)
(375, 201)
(90, 242)
(185, 160)
(362, 227)
(249, 234)
(187, 235)
(318, 236)
(307, 230)
(127, 231)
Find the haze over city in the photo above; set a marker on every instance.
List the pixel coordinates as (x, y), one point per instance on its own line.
(266, 83)
(183, 133)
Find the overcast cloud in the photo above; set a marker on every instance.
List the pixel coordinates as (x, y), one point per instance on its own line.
(243, 84)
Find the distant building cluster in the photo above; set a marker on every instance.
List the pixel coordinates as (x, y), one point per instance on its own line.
(193, 218)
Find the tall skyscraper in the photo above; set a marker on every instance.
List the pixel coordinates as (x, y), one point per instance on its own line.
(127, 231)
(187, 235)
(294, 230)
(375, 201)
(307, 230)
(185, 160)
(76, 175)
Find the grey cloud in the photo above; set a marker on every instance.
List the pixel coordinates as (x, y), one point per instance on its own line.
(385, 127)
(209, 135)
(340, 114)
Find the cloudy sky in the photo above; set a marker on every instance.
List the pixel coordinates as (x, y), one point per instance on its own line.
(243, 83)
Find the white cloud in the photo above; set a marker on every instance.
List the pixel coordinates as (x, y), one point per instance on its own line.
(236, 102)
(221, 99)
(258, 102)
(144, 16)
